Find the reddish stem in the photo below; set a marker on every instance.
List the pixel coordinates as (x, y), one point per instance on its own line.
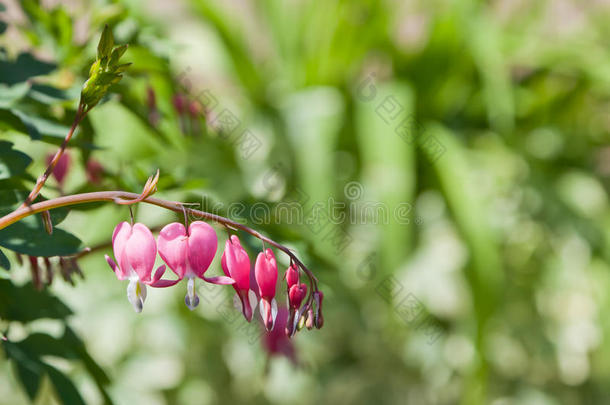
(80, 114)
(118, 196)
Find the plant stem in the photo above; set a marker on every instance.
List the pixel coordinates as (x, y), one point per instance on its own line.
(80, 114)
(115, 196)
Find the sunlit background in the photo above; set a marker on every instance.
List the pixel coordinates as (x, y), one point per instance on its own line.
(441, 166)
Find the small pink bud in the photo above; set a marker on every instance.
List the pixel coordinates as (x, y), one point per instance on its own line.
(151, 98)
(94, 171)
(179, 102)
(309, 321)
(195, 109)
(296, 294)
(61, 168)
(292, 275)
(318, 296)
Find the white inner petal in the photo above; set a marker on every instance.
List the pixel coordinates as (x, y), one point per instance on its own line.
(136, 294)
(191, 299)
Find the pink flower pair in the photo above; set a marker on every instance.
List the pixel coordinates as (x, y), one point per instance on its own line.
(187, 254)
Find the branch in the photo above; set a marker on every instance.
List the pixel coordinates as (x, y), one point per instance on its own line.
(123, 196)
(80, 114)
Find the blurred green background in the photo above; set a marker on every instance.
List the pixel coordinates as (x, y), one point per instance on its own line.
(442, 167)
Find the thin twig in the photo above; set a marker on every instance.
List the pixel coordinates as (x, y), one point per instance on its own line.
(80, 114)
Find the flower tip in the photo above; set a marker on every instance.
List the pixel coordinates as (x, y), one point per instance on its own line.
(191, 302)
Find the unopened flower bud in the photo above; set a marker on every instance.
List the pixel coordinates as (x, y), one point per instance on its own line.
(296, 295)
(318, 296)
(292, 275)
(309, 320)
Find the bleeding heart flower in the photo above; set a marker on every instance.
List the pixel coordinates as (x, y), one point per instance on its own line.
(276, 342)
(236, 264)
(265, 272)
(292, 275)
(135, 250)
(296, 294)
(190, 255)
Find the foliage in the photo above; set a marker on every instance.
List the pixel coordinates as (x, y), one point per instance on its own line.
(503, 240)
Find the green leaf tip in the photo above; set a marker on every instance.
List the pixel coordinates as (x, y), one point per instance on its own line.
(106, 43)
(105, 71)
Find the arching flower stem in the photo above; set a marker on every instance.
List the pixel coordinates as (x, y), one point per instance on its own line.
(123, 197)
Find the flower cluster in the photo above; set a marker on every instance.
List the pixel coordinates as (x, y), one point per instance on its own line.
(189, 252)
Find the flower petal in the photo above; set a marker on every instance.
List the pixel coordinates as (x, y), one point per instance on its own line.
(136, 294)
(173, 246)
(222, 280)
(202, 244)
(113, 266)
(141, 251)
(265, 271)
(237, 263)
(119, 240)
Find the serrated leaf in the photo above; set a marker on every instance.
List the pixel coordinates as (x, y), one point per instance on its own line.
(106, 43)
(26, 304)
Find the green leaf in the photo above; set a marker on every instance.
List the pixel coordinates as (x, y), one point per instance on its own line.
(117, 53)
(4, 262)
(66, 391)
(2, 27)
(10, 199)
(10, 94)
(29, 237)
(106, 43)
(70, 338)
(29, 370)
(40, 126)
(50, 95)
(26, 304)
(23, 68)
(12, 162)
(30, 379)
